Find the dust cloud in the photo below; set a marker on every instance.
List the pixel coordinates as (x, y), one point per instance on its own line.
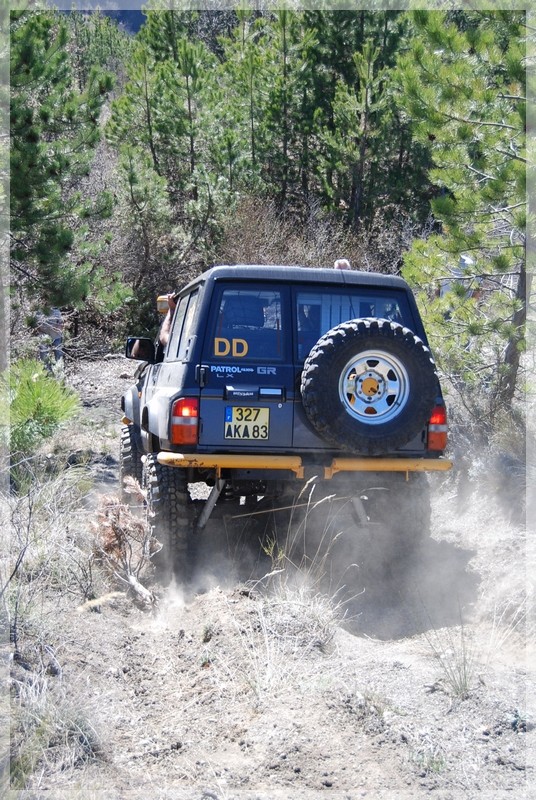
(230, 550)
(396, 561)
(170, 608)
(342, 539)
(389, 582)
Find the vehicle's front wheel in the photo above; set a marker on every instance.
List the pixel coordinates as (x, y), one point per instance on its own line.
(171, 517)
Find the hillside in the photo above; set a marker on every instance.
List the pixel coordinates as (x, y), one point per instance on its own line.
(274, 688)
(138, 160)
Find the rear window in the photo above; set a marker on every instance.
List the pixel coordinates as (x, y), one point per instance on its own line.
(319, 310)
(249, 325)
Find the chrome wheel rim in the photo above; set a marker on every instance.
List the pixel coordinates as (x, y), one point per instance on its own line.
(374, 387)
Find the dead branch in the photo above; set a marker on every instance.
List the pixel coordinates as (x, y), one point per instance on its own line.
(123, 545)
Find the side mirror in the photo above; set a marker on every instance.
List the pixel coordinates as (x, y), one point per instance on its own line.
(140, 349)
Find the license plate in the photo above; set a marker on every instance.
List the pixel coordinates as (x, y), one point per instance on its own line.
(243, 422)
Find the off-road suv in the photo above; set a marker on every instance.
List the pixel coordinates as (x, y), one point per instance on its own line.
(273, 376)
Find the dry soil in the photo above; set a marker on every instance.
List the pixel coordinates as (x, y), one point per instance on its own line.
(419, 685)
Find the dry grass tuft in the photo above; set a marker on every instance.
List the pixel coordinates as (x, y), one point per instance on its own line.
(292, 621)
(274, 649)
(46, 570)
(457, 659)
(300, 618)
(44, 557)
(50, 734)
(306, 560)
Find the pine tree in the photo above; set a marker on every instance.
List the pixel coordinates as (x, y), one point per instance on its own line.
(163, 30)
(290, 80)
(464, 87)
(96, 41)
(369, 166)
(237, 104)
(4, 192)
(165, 114)
(161, 109)
(146, 206)
(54, 130)
(133, 113)
(191, 63)
(350, 143)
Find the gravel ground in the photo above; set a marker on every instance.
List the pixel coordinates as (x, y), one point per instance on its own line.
(423, 685)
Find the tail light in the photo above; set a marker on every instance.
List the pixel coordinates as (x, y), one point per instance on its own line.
(437, 429)
(185, 421)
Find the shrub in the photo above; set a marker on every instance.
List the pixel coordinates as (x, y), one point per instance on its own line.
(38, 405)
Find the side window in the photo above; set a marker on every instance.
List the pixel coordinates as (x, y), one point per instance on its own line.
(182, 326)
(249, 325)
(309, 319)
(318, 311)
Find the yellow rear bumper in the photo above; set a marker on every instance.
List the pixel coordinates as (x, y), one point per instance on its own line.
(219, 461)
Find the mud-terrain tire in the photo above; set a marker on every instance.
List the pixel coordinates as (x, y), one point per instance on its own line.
(369, 386)
(399, 511)
(171, 517)
(130, 463)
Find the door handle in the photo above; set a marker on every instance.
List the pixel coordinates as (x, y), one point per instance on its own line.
(201, 373)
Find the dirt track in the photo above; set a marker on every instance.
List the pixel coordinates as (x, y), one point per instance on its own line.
(236, 692)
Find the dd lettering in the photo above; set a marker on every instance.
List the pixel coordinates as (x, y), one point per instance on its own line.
(238, 348)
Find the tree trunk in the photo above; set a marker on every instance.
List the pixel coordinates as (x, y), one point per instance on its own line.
(512, 354)
(285, 132)
(191, 133)
(149, 119)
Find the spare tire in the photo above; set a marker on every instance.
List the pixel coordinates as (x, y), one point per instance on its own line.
(369, 385)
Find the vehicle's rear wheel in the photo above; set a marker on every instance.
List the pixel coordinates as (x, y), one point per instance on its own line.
(399, 512)
(360, 531)
(269, 519)
(171, 517)
(130, 463)
(369, 385)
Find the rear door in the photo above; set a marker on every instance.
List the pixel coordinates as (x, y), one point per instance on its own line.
(246, 371)
(320, 308)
